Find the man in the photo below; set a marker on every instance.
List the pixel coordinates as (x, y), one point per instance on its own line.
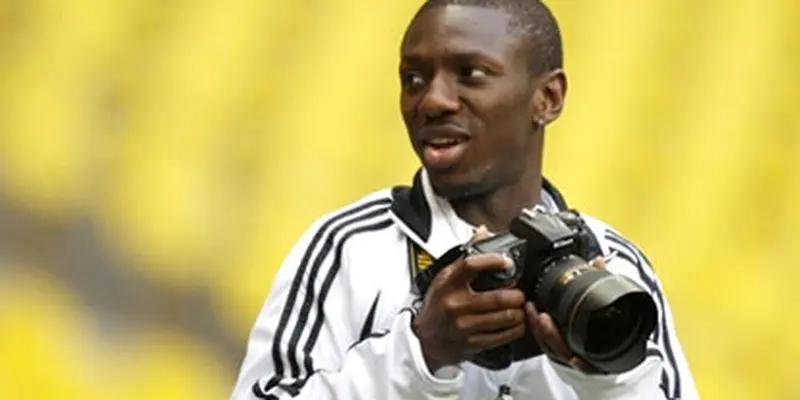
(480, 81)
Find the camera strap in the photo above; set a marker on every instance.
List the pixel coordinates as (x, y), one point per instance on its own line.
(423, 267)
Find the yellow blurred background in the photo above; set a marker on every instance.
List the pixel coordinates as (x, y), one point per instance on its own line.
(158, 159)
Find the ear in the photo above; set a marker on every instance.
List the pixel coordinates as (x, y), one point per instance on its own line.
(548, 99)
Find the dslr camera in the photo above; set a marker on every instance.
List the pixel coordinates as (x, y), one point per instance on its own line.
(604, 318)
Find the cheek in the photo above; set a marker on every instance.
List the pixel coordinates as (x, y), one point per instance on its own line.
(509, 125)
(407, 107)
(510, 107)
(517, 113)
(506, 135)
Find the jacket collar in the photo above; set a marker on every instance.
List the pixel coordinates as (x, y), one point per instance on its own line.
(429, 220)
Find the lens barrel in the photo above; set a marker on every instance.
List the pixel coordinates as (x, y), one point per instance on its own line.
(605, 318)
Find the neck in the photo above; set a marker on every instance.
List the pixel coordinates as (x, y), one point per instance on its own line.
(495, 210)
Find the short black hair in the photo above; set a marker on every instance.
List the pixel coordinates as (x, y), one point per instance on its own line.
(535, 21)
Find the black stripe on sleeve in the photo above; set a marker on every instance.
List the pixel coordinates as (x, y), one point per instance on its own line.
(326, 286)
(308, 301)
(272, 382)
(654, 353)
(294, 388)
(321, 232)
(664, 385)
(259, 393)
(625, 247)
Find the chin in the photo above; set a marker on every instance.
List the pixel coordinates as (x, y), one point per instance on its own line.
(454, 191)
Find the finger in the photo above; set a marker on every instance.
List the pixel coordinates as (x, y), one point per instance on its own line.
(494, 300)
(579, 364)
(599, 262)
(444, 277)
(532, 316)
(456, 272)
(484, 341)
(466, 271)
(551, 337)
(481, 233)
(490, 322)
(539, 325)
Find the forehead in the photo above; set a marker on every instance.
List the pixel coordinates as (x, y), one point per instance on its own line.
(456, 29)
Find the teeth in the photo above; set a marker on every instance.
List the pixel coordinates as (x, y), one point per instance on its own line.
(443, 141)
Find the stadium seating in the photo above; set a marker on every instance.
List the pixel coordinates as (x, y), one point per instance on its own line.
(158, 160)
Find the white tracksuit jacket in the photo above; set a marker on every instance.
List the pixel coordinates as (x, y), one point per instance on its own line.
(337, 323)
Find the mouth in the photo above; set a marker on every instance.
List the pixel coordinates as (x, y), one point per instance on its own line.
(443, 149)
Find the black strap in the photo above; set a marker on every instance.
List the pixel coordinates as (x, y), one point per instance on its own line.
(424, 267)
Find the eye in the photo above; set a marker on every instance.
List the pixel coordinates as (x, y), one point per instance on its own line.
(474, 73)
(412, 80)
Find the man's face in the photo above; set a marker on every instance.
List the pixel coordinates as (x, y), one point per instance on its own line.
(467, 99)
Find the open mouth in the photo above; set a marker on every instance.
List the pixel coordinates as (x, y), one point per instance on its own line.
(443, 152)
(444, 142)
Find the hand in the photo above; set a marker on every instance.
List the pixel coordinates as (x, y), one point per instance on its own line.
(550, 339)
(456, 322)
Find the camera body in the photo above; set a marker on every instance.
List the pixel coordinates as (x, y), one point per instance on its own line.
(536, 240)
(604, 318)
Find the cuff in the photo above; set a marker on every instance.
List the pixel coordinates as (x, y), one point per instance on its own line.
(445, 379)
(639, 383)
(447, 373)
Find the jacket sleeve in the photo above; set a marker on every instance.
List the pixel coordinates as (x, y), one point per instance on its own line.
(664, 374)
(296, 350)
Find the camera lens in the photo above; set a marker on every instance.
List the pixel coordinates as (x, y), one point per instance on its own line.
(605, 318)
(613, 329)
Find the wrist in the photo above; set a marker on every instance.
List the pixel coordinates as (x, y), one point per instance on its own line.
(433, 361)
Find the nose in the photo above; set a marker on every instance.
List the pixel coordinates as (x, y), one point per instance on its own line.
(441, 99)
